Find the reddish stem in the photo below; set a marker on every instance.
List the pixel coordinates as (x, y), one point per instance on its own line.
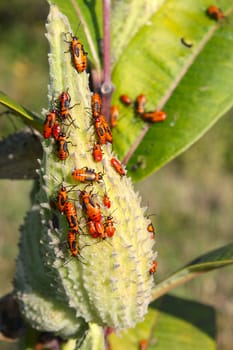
(106, 87)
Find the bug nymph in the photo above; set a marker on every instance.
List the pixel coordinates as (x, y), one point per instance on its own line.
(78, 54)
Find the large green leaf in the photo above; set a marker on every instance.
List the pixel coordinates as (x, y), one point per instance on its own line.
(154, 63)
(28, 117)
(171, 323)
(213, 260)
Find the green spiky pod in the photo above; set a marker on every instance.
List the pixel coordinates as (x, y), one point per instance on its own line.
(108, 282)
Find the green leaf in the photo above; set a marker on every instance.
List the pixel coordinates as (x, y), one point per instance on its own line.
(126, 20)
(171, 323)
(28, 117)
(154, 63)
(94, 339)
(85, 18)
(213, 260)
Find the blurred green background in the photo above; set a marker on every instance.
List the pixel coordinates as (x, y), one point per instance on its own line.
(192, 196)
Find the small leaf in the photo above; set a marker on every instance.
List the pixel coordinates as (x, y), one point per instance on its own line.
(213, 260)
(28, 117)
(171, 323)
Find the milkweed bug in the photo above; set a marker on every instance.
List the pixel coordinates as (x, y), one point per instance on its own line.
(79, 56)
(62, 147)
(143, 344)
(61, 198)
(118, 166)
(154, 117)
(140, 103)
(150, 229)
(99, 129)
(96, 104)
(92, 209)
(103, 130)
(97, 152)
(92, 229)
(114, 114)
(56, 131)
(64, 101)
(108, 226)
(87, 175)
(107, 130)
(71, 215)
(49, 123)
(215, 13)
(106, 201)
(100, 229)
(125, 99)
(73, 243)
(153, 267)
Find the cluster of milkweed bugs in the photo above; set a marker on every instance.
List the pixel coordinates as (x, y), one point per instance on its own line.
(97, 227)
(139, 108)
(54, 124)
(102, 127)
(96, 207)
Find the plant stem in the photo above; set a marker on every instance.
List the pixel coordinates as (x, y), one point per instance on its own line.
(106, 87)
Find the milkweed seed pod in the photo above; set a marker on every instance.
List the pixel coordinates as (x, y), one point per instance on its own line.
(62, 286)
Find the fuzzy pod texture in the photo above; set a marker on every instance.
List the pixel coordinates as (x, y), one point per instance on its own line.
(108, 282)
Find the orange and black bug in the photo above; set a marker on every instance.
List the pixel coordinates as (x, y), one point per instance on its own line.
(150, 228)
(108, 226)
(64, 101)
(103, 130)
(125, 99)
(100, 131)
(92, 229)
(140, 104)
(64, 104)
(114, 114)
(154, 117)
(118, 166)
(61, 199)
(96, 104)
(92, 209)
(56, 131)
(100, 229)
(215, 13)
(143, 344)
(106, 201)
(87, 175)
(153, 267)
(97, 152)
(62, 147)
(106, 127)
(71, 215)
(79, 56)
(49, 123)
(73, 243)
